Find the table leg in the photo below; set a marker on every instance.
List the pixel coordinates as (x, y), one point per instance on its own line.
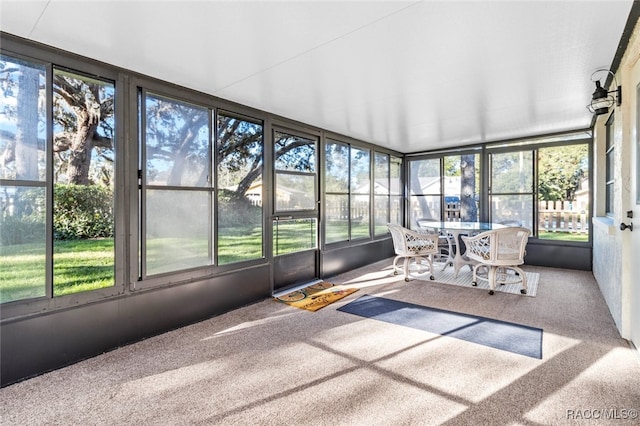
(450, 255)
(459, 260)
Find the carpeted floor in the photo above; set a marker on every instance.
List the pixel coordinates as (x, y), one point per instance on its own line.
(270, 364)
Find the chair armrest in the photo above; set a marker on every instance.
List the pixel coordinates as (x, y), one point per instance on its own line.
(420, 243)
(478, 246)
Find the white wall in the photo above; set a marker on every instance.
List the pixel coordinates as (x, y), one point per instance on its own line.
(607, 265)
(616, 253)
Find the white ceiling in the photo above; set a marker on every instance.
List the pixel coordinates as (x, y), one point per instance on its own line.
(409, 75)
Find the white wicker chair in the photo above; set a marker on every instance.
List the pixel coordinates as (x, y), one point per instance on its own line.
(498, 252)
(410, 245)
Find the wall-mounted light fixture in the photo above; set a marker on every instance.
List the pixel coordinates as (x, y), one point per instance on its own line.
(602, 100)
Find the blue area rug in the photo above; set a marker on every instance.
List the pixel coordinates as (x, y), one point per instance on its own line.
(516, 338)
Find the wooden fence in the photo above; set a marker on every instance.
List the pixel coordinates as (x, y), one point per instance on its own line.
(451, 212)
(558, 217)
(552, 216)
(342, 212)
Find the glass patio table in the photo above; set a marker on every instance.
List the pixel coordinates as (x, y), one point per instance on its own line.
(455, 229)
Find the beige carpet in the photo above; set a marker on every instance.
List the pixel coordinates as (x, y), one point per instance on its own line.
(269, 364)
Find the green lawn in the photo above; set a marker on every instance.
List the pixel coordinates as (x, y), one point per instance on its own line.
(563, 236)
(84, 265)
(236, 245)
(290, 237)
(169, 254)
(22, 269)
(77, 266)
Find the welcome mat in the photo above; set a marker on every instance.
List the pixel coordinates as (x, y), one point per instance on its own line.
(506, 336)
(315, 296)
(465, 277)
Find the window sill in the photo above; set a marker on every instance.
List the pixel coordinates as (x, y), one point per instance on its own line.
(604, 223)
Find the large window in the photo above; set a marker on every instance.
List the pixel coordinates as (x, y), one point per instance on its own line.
(444, 188)
(83, 183)
(177, 185)
(360, 196)
(239, 189)
(57, 188)
(396, 197)
(425, 184)
(511, 188)
(461, 187)
(381, 193)
(336, 185)
(563, 192)
(23, 147)
(178, 188)
(387, 192)
(347, 192)
(543, 185)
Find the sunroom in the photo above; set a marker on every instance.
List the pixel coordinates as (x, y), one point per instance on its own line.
(179, 161)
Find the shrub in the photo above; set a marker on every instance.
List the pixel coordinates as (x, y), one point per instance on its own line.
(82, 212)
(22, 220)
(21, 230)
(237, 211)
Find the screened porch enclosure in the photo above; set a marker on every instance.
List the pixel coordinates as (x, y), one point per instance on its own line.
(124, 196)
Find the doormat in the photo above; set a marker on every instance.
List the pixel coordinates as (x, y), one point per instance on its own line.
(506, 336)
(315, 296)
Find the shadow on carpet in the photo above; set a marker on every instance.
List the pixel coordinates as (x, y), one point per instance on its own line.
(506, 336)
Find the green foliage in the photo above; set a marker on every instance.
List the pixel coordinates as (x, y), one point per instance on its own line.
(294, 153)
(239, 153)
(24, 221)
(20, 230)
(452, 166)
(511, 172)
(560, 171)
(336, 167)
(82, 211)
(237, 211)
(176, 141)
